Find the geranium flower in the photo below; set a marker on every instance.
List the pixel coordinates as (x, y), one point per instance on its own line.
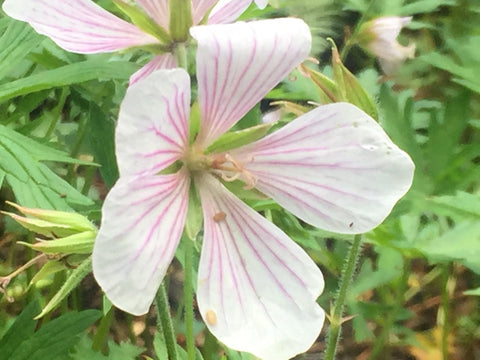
(81, 26)
(379, 36)
(333, 167)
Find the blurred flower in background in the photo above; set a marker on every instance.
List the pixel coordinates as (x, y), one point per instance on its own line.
(379, 37)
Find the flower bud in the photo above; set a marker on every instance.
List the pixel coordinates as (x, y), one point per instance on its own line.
(379, 37)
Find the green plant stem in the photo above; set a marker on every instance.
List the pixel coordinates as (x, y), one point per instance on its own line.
(336, 320)
(181, 55)
(164, 322)
(392, 315)
(445, 310)
(188, 292)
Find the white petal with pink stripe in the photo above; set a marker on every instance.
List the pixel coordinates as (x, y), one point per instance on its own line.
(257, 289)
(78, 25)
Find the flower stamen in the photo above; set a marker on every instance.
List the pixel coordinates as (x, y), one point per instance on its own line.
(226, 162)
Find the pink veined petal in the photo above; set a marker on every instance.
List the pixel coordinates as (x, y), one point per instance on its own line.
(152, 130)
(333, 167)
(227, 11)
(78, 25)
(257, 289)
(164, 61)
(142, 222)
(200, 9)
(158, 11)
(238, 64)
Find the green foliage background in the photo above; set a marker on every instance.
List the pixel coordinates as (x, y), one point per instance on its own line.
(420, 269)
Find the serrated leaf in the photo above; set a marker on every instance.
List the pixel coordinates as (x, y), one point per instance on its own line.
(56, 338)
(101, 136)
(460, 244)
(67, 75)
(17, 41)
(71, 283)
(21, 329)
(122, 351)
(33, 183)
(460, 206)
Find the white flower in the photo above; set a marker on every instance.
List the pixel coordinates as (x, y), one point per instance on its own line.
(379, 36)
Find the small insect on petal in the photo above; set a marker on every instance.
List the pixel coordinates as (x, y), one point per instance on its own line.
(211, 317)
(220, 216)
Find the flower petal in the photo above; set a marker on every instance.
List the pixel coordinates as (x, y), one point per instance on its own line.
(237, 64)
(152, 130)
(164, 61)
(142, 222)
(200, 9)
(257, 289)
(158, 11)
(78, 25)
(227, 11)
(333, 167)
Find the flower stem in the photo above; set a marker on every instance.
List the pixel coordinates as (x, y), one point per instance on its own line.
(336, 320)
(381, 340)
(164, 322)
(181, 55)
(188, 293)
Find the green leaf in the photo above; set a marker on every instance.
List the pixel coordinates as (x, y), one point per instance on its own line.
(55, 338)
(33, 183)
(101, 136)
(461, 206)
(424, 6)
(67, 75)
(18, 40)
(445, 133)
(461, 244)
(122, 351)
(71, 283)
(21, 329)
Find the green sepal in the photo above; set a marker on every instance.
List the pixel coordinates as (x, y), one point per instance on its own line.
(71, 283)
(194, 221)
(51, 267)
(349, 88)
(195, 121)
(42, 227)
(327, 89)
(62, 219)
(81, 243)
(234, 139)
(143, 21)
(180, 19)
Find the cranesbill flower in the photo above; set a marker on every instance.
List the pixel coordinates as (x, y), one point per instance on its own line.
(81, 26)
(333, 167)
(379, 36)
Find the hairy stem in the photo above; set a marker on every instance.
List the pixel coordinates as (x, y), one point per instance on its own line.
(336, 320)
(164, 322)
(188, 292)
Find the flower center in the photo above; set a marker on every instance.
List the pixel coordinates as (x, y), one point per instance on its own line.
(231, 169)
(224, 166)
